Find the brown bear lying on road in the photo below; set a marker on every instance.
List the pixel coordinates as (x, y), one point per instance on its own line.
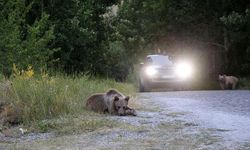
(112, 102)
(228, 82)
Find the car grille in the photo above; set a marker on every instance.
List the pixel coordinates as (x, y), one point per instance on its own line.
(166, 71)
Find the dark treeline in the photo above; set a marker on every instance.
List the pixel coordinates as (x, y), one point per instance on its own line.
(106, 37)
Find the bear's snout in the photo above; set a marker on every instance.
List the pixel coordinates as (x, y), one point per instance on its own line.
(121, 112)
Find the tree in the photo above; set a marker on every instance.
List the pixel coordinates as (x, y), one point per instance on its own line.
(79, 32)
(189, 27)
(237, 26)
(21, 43)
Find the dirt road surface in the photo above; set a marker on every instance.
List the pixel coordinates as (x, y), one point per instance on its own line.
(184, 120)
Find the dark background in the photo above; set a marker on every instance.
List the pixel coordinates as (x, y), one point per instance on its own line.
(86, 36)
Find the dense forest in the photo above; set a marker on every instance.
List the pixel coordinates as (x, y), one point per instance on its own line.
(107, 37)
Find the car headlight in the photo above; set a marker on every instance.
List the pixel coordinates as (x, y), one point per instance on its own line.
(184, 70)
(151, 71)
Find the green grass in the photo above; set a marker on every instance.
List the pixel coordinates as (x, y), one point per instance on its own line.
(53, 97)
(1, 77)
(244, 83)
(207, 84)
(74, 125)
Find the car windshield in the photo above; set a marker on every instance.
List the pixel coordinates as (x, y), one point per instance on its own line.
(159, 60)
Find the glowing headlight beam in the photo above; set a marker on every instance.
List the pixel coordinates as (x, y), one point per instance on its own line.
(184, 70)
(150, 71)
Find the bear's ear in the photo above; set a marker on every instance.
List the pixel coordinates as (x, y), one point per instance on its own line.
(126, 98)
(116, 98)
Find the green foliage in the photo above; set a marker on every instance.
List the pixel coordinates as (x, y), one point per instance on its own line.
(71, 38)
(76, 36)
(1, 77)
(238, 28)
(22, 43)
(244, 83)
(117, 61)
(185, 27)
(80, 34)
(42, 98)
(69, 125)
(132, 26)
(129, 34)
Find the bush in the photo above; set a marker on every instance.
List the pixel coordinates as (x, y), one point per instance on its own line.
(244, 83)
(1, 77)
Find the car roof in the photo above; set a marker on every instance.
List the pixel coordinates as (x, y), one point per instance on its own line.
(160, 59)
(156, 55)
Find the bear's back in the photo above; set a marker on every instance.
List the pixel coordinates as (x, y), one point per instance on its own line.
(96, 103)
(114, 92)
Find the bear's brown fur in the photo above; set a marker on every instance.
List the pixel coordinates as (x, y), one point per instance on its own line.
(112, 101)
(96, 103)
(228, 82)
(9, 113)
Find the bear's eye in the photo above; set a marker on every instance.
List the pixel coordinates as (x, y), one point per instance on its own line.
(124, 107)
(118, 107)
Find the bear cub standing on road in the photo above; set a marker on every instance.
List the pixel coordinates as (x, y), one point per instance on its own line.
(228, 82)
(112, 102)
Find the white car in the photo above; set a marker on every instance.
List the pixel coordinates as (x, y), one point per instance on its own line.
(161, 71)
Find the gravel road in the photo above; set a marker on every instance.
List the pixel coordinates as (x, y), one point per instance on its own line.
(184, 120)
(227, 111)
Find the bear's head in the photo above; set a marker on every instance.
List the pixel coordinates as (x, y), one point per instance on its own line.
(120, 104)
(221, 78)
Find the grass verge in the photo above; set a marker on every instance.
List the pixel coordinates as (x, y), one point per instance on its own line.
(244, 83)
(42, 99)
